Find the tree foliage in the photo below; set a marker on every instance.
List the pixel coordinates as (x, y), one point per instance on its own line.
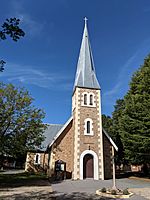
(2, 63)
(116, 130)
(10, 28)
(21, 127)
(107, 124)
(132, 117)
(111, 127)
(130, 122)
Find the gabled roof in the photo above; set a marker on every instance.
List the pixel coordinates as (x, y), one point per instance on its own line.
(85, 74)
(50, 133)
(110, 139)
(60, 131)
(53, 131)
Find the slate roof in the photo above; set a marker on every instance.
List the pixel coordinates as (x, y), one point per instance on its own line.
(85, 74)
(49, 134)
(61, 130)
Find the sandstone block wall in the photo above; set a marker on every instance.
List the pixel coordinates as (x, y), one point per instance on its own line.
(30, 165)
(80, 113)
(63, 149)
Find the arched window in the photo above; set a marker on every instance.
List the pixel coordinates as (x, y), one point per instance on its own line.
(37, 158)
(91, 99)
(88, 99)
(88, 127)
(85, 99)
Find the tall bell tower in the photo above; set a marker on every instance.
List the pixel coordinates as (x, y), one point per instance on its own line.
(86, 112)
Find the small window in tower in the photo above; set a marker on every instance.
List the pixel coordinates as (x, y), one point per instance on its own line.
(91, 99)
(85, 99)
(88, 127)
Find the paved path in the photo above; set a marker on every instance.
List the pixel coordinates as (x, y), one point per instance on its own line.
(76, 190)
(88, 187)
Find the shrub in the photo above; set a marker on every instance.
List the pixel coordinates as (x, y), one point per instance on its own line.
(103, 190)
(113, 192)
(125, 192)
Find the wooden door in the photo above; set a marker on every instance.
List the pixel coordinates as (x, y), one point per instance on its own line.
(88, 169)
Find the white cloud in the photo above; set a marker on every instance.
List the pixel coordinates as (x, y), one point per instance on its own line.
(15, 73)
(32, 26)
(146, 9)
(131, 65)
(121, 76)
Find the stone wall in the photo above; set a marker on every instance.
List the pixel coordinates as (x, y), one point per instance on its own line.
(84, 142)
(62, 149)
(31, 166)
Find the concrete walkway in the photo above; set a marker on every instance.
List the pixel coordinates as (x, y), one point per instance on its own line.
(86, 188)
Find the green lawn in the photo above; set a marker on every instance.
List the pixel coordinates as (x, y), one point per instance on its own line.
(23, 179)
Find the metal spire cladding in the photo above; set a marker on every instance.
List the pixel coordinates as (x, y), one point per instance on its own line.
(85, 74)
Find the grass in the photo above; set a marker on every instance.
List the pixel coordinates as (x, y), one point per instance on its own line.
(23, 179)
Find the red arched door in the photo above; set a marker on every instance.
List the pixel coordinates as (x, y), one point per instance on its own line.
(88, 169)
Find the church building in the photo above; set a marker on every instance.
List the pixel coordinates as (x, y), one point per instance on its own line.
(80, 148)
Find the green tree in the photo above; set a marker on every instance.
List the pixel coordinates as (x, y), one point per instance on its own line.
(111, 126)
(134, 122)
(116, 130)
(21, 127)
(107, 124)
(10, 28)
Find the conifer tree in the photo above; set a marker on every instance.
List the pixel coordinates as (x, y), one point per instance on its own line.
(134, 122)
(107, 124)
(111, 126)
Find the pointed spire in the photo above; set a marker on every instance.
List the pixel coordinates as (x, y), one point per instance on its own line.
(85, 74)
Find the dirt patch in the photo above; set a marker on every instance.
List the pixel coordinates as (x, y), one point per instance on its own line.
(144, 192)
(24, 186)
(30, 192)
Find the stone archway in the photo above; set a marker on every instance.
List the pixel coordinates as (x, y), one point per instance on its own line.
(95, 163)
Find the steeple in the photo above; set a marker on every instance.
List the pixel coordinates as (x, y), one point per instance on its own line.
(85, 74)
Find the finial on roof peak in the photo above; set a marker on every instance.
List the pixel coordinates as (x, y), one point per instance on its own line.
(85, 19)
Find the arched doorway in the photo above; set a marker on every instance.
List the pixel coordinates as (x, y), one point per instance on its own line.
(95, 163)
(88, 166)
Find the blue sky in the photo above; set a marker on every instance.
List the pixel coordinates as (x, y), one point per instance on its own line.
(44, 61)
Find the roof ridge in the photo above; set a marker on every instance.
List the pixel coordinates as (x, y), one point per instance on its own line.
(54, 124)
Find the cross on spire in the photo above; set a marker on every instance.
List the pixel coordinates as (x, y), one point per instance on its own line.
(85, 19)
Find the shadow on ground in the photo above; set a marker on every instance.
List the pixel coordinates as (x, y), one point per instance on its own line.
(23, 179)
(120, 175)
(52, 196)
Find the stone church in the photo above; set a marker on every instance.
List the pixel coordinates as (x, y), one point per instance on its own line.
(80, 148)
